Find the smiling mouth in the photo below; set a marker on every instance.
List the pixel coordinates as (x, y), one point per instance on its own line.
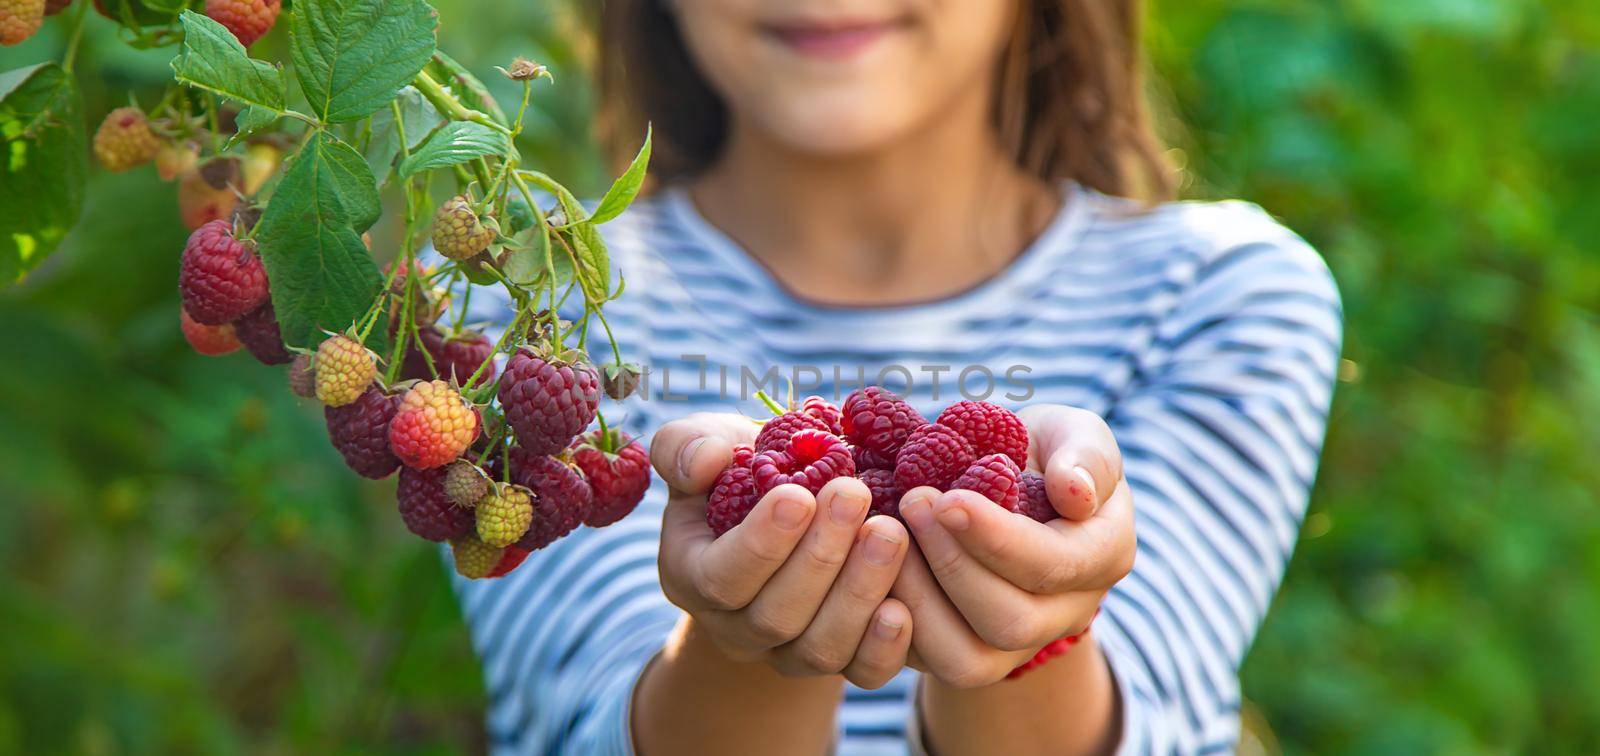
(831, 39)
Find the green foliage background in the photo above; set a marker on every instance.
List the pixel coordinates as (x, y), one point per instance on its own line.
(188, 567)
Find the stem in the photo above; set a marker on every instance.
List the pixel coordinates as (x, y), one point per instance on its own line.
(448, 105)
(516, 320)
(772, 404)
(549, 262)
(71, 56)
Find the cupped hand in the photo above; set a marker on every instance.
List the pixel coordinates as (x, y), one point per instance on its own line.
(802, 584)
(991, 587)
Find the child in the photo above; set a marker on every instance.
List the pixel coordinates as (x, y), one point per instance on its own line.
(944, 197)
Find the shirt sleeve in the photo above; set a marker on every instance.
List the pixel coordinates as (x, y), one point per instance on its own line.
(1220, 434)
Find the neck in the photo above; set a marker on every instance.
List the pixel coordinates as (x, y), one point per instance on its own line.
(927, 216)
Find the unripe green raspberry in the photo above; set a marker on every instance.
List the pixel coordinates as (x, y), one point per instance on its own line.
(465, 483)
(474, 558)
(504, 515)
(344, 371)
(19, 19)
(303, 377)
(124, 139)
(457, 232)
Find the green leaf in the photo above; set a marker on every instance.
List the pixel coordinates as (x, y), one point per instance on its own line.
(523, 263)
(43, 165)
(352, 56)
(626, 187)
(594, 263)
(213, 59)
(457, 142)
(466, 87)
(322, 276)
(420, 120)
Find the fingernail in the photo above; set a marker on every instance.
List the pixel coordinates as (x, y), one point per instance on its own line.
(916, 511)
(1088, 482)
(846, 508)
(887, 629)
(880, 549)
(954, 517)
(686, 456)
(789, 513)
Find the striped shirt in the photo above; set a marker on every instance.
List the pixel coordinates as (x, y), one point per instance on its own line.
(1206, 334)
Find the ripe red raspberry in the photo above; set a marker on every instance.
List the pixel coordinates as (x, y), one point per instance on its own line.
(475, 559)
(247, 19)
(547, 403)
(454, 357)
(732, 497)
(427, 510)
(867, 459)
(994, 476)
(618, 478)
(876, 419)
(1033, 501)
(990, 428)
(885, 492)
(433, 425)
(220, 277)
(303, 377)
(457, 232)
(504, 515)
(344, 370)
(823, 410)
(561, 497)
(124, 139)
(744, 455)
(510, 559)
(209, 340)
(258, 331)
(775, 433)
(933, 455)
(812, 458)
(360, 431)
(466, 483)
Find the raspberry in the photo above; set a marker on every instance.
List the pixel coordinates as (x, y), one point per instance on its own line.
(824, 410)
(1033, 501)
(933, 455)
(561, 496)
(743, 455)
(474, 558)
(994, 476)
(259, 332)
(174, 159)
(885, 492)
(775, 433)
(344, 370)
(618, 479)
(209, 340)
(813, 458)
(878, 420)
(200, 201)
(620, 381)
(990, 428)
(466, 483)
(220, 277)
(432, 426)
(426, 509)
(867, 459)
(19, 20)
(547, 403)
(504, 515)
(303, 377)
(454, 357)
(732, 497)
(457, 232)
(360, 431)
(124, 139)
(52, 7)
(247, 19)
(509, 560)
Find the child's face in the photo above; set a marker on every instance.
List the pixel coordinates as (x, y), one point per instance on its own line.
(845, 77)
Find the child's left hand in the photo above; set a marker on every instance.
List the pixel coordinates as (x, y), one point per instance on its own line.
(989, 587)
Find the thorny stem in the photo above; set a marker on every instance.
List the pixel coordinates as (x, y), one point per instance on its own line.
(549, 262)
(448, 105)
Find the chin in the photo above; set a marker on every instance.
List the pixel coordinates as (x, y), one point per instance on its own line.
(839, 126)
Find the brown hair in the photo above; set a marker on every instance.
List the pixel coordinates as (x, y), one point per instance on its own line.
(1069, 105)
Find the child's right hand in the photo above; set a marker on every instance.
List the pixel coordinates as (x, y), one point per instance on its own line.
(802, 584)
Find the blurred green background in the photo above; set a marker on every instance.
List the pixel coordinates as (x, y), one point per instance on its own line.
(189, 567)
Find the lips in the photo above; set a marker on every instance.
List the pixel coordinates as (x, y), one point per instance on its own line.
(832, 39)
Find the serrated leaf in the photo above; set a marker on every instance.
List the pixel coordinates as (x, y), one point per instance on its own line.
(322, 276)
(213, 59)
(250, 120)
(352, 56)
(626, 187)
(593, 261)
(524, 262)
(43, 165)
(420, 121)
(466, 87)
(457, 142)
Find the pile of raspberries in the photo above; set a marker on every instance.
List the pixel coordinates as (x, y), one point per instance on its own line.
(495, 503)
(880, 439)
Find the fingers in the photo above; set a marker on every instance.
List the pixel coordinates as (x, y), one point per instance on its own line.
(841, 624)
(789, 601)
(1054, 557)
(944, 645)
(688, 453)
(726, 573)
(884, 647)
(1078, 455)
